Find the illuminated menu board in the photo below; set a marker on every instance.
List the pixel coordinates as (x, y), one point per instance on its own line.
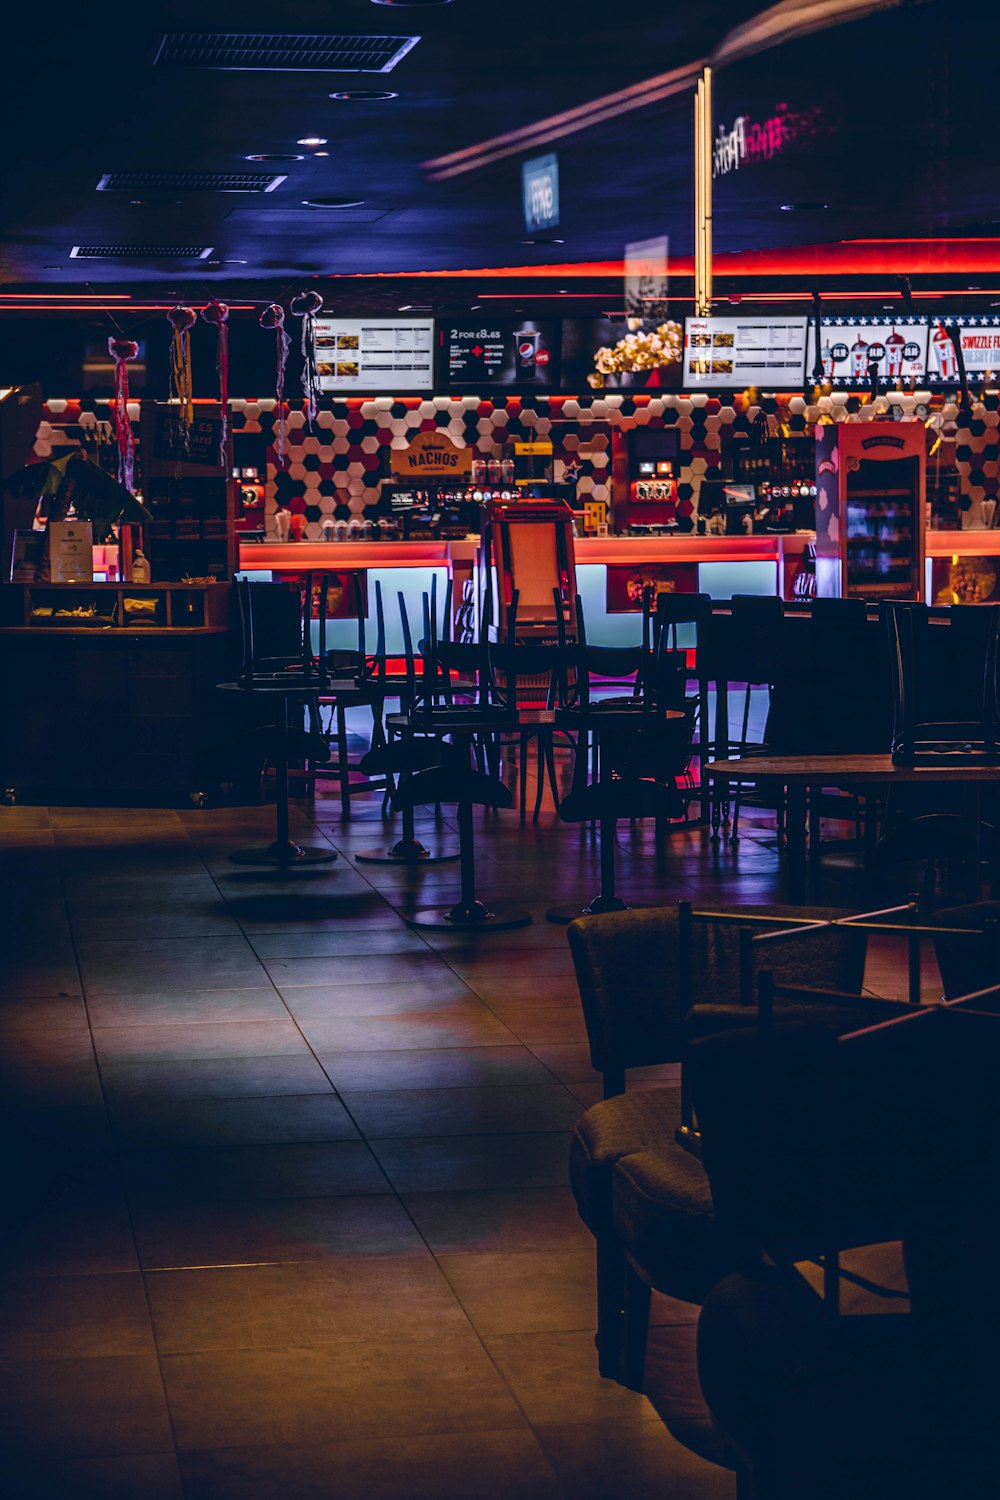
(476, 353)
(738, 352)
(980, 339)
(378, 356)
(898, 346)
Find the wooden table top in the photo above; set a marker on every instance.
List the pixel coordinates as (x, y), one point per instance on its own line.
(846, 770)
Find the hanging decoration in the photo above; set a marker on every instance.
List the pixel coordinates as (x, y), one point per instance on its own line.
(122, 350)
(305, 306)
(217, 313)
(274, 317)
(182, 320)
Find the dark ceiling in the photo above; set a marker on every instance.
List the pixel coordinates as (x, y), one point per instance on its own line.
(897, 108)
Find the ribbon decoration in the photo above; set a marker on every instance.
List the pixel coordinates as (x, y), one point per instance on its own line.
(274, 317)
(217, 313)
(305, 306)
(182, 320)
(122, 350)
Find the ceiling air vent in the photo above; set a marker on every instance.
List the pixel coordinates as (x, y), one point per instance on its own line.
(277, 52)
(189, 182)
(140, 252)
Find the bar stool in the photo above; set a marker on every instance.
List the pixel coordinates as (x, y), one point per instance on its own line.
(286, 679)
(361, 682)
(403, 753)
(457, 780)
(628, 735)
(758, 618)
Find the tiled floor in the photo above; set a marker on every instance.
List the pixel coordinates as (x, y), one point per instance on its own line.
(286, 1182)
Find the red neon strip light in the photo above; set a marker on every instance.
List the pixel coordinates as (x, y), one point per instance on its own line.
(928, 257)
(80, 296)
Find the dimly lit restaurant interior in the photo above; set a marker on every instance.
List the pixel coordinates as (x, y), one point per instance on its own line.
(500, 751)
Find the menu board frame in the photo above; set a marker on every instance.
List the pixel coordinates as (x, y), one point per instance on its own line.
(548, 328)
(975, 371)
(728, 369)
(847, 331)
(369, 382)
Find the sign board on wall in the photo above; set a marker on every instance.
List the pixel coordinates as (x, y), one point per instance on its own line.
(849, 345)
(743, 351)
(540, 192)
(980, 336)
(477, 353)
(391, 356)
(431, 455)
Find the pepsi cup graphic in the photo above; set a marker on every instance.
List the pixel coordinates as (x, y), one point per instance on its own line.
(526, 344)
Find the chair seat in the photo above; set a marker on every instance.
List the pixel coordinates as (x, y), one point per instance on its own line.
(415, 753)
(641, 1120)
(453, 783)
(621, 799)
(663, 1215)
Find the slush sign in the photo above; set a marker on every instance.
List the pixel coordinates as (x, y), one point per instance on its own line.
(540, 192)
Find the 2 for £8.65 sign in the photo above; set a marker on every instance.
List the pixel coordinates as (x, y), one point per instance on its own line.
(540, 192)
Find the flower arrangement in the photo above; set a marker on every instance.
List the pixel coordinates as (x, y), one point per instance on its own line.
(649, 349)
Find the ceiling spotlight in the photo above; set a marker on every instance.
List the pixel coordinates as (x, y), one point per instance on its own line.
(802, 208)
(365, 96)
(333, 202)
(312, 140)
(274, 156)
(321, 153)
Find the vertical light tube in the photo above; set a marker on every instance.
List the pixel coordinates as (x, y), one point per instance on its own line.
(703, 194)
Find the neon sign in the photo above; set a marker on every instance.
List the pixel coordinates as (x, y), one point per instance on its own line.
(751, 140)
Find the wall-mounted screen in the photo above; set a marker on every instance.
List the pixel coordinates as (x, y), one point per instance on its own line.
(374, 356)
(605, 354)
(850, 344)
(740, 351)
(477, 353)
(980, 340)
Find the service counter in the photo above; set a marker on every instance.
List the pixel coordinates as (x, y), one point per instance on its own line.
(611, 572)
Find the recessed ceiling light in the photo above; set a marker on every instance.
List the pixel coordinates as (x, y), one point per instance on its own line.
(365, 96)
(802, 208)
(333, 203)
(274, 156)
(321, 153)
(312, 140)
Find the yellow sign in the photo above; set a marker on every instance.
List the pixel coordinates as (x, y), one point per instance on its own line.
(429, 456)
(533, 450)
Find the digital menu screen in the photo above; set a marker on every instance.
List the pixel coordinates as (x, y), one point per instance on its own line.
(476, 352)
(849, 345)
(738, 352)
(374, 356)
(980, 339)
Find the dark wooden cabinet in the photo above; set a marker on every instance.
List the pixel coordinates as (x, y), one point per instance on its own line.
(114, 714)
